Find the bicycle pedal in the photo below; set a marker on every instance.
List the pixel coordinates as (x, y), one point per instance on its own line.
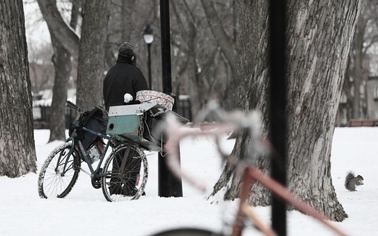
(96, 183)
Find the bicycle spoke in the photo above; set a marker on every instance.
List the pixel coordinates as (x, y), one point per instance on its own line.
(59, 172)
(124, 178)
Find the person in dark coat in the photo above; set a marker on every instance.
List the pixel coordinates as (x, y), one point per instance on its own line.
(124, 77)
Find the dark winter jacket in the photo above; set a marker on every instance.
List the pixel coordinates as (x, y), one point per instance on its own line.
(122, 78)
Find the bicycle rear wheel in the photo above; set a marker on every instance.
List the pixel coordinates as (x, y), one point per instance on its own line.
(187, 232)
(59, 173)
(125, 176)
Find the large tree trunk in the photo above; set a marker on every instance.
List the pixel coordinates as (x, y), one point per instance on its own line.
(92, 54)
(319, 35)
(17, 149)
(314, 93)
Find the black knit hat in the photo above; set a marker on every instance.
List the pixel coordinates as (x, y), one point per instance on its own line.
(126, 50)
(126, 53)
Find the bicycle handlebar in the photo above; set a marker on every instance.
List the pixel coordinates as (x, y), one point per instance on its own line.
(73, 106)
(235, 121)
(228, 122)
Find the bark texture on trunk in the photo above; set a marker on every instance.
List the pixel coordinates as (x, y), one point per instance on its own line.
(319, 39)
(319, 35)
(17, 148)
(64, 40)
(63, 65)
(92, 54)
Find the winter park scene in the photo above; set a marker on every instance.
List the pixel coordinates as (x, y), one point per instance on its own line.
(161, 118)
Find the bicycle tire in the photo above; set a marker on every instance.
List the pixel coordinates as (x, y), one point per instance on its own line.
(130, 184)
(187, 232)
(53, 180)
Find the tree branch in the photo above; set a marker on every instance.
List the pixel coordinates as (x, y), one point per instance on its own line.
(220, 35)
(57, 26)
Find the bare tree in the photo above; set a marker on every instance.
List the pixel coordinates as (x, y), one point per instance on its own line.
(120, 28)
(17, 148)
(40, 67)
(66, 43)
(319, 35)
(196, 70)
(224, 41)
(204, 49)
(127, 21)
(63, 66)
(227, 44)
(366, 35)
(61, 60)
(56, 24)
(200, 65)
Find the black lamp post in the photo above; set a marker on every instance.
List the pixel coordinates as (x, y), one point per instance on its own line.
(169, 185)
(277, 109)
(148, 39)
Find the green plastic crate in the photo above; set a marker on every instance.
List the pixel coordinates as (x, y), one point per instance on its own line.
(125, 125)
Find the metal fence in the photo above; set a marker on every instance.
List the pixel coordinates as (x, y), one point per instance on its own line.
(41, 117)
(41, 114)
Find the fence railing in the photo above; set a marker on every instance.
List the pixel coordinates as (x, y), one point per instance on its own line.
(41, 114)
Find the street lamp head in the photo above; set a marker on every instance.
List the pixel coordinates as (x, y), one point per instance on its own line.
(147, 35)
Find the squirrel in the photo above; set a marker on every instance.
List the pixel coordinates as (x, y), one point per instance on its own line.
(351, 181)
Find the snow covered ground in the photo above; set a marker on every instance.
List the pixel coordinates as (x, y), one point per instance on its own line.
(86, 212)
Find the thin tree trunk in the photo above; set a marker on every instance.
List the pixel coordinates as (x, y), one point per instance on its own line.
(357, 54)
(127, 21)
(224, 42)
(63, 65)
(17, 148)
(226, 45)
(357, 85)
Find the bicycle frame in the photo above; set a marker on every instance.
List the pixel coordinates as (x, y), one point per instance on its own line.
(250, 174)
(96, 172)
(125, 140)
(84, 153)
(122, 174)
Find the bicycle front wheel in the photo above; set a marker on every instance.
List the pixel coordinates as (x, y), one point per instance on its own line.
(125, 174)
(59, 173)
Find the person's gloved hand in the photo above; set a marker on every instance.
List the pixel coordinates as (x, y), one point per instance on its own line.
(127, 98)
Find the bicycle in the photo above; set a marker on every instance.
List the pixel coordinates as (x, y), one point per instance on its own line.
(125, 172)
(245, 167)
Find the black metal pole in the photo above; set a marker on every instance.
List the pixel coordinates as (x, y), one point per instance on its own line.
(149, 65)
(278, 88)
(165, 46)
(169, 185)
